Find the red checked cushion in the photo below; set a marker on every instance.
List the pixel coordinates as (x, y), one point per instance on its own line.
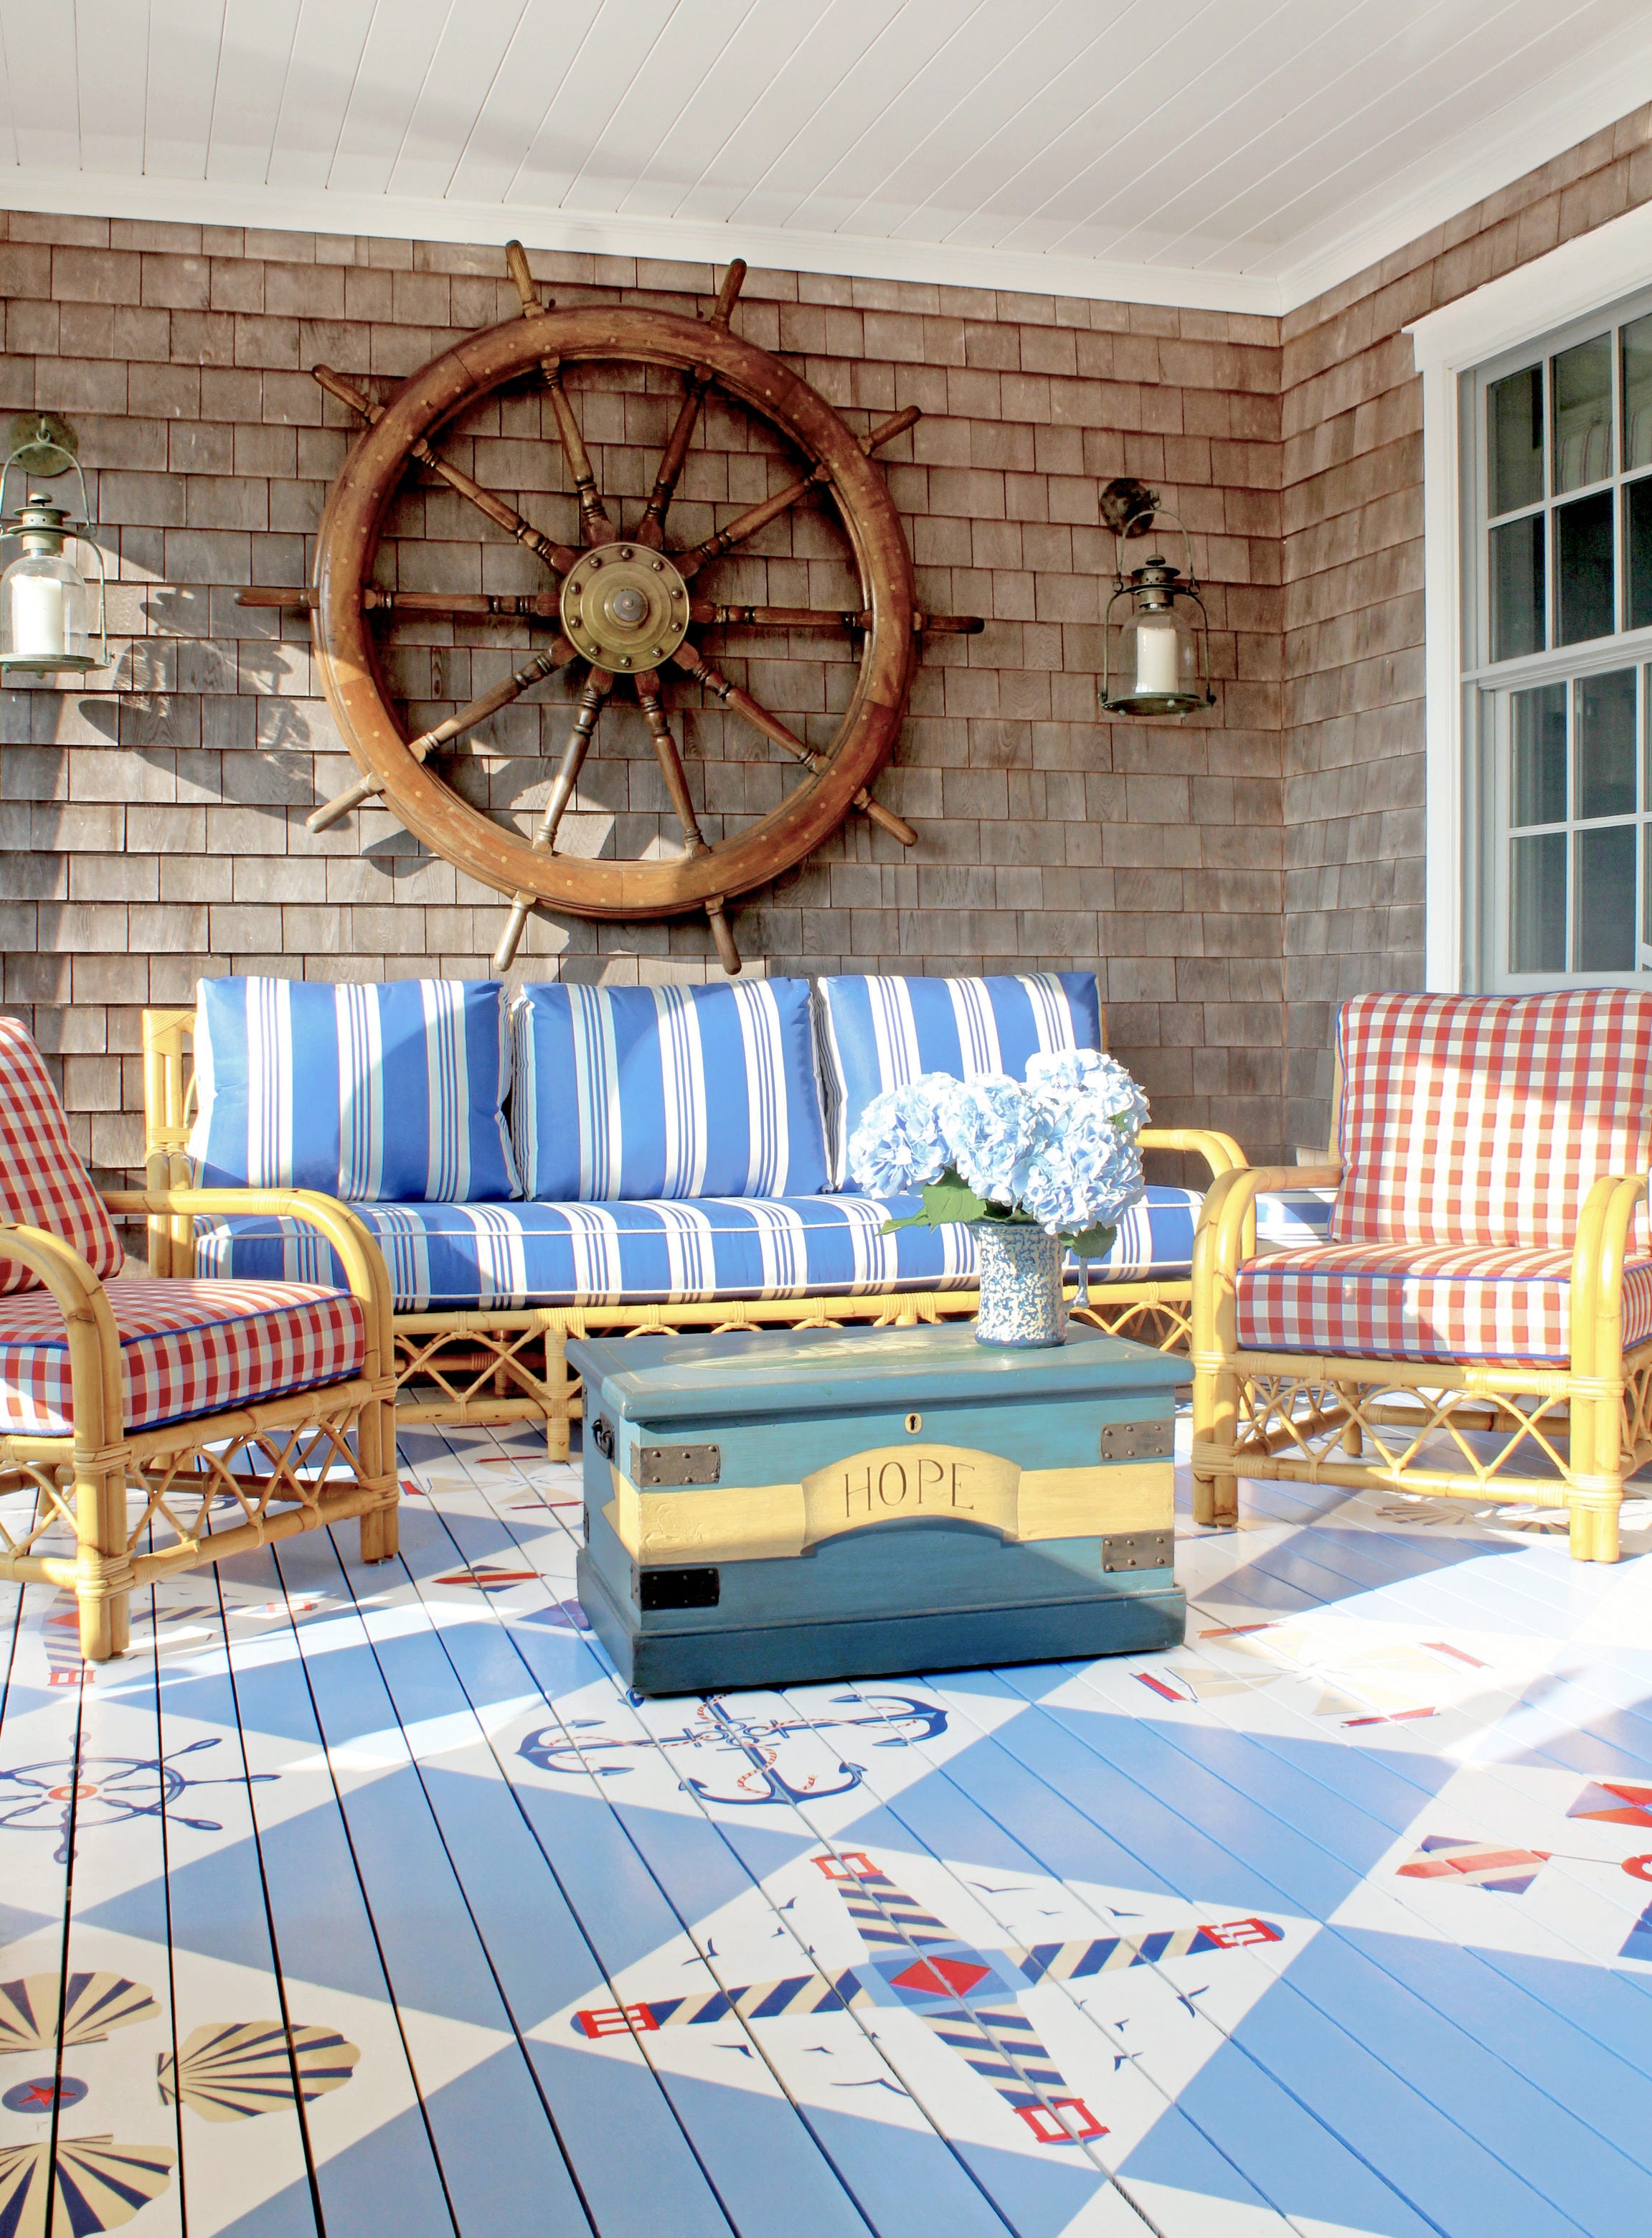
(1482, 1120)
(187, 1349)
(43, 1182)
(1508, 1307)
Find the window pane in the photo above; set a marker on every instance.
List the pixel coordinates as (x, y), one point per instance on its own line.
(1637, 393)
(1539, 789)
(1637, 529)
(1514, 439)
(1582, 383)
(1606, 745)
(1584, 565)
(1517, 588)
(1603, 934)
(1537, 908)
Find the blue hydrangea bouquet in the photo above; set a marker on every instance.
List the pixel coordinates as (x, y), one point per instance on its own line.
(1057, 1152)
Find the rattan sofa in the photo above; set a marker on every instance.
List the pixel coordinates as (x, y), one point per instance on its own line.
(469, 1360)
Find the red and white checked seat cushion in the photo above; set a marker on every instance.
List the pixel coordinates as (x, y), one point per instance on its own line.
(43, 1182)
(1399, 1302)
(187, 1349)
(1476, 1119)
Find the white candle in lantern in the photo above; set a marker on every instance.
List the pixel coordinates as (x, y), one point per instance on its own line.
(1158, 662)
(37, 618)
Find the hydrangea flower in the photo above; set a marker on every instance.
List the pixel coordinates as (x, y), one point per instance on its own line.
(1055, 1073)
(1060, 1151)
(1084, 1171)
(991, 1125)
(902, 1141)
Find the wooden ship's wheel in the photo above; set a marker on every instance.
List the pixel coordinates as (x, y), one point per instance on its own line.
(623, 609)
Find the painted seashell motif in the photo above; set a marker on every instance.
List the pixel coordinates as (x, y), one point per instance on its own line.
(228, 2070)
(99, 2184)
(93, 2004)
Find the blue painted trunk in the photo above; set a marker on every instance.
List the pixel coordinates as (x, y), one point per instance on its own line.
(770, 1507)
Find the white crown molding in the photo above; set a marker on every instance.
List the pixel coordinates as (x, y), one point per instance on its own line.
(1507, 153)
(281, 209)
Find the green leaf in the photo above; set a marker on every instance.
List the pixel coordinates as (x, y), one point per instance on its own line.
(1093, 1243)
(952, 1199)
(912, 1220)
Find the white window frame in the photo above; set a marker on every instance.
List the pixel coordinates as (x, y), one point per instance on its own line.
(1583, 278)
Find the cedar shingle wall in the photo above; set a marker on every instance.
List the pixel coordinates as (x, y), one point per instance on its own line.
(1352, 519)
(154, 832)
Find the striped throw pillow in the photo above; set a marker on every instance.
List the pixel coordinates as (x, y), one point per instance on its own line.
(388, 1093)
(876, 1033)
(43, 1182)
(630, 1092)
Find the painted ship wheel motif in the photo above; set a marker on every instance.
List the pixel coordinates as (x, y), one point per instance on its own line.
(629, 608)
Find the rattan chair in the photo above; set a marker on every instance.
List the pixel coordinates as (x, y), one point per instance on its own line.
(1480, 1323)
(148, 1427)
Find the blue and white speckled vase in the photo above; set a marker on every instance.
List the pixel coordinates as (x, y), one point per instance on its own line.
(1020, 1285)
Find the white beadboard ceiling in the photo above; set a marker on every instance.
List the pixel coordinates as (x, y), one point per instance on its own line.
(1231, 154)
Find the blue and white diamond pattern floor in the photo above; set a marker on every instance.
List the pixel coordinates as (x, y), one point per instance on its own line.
(359, 1901)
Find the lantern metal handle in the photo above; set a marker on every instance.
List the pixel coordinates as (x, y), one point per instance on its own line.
(11, 529)
(1154, 512)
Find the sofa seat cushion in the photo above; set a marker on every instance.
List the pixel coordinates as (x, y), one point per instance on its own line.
(384, 1092)
(187, 1349)
(502, 1255)
(1509, 1309)
(43, 1182)
(666, 1092)
(876, 1032)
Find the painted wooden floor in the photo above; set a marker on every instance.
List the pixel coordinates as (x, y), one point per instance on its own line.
(1338, 1920)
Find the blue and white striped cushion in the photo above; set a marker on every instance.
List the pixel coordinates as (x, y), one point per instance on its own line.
(876, 1033)
(676, 1092)
(498, 1255)
(375, 1094)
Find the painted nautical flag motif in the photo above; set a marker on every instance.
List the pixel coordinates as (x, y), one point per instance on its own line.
(1475, 1864)
(1617, 1802)
(969, 1999)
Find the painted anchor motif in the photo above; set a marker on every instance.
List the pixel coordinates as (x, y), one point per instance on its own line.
(969, 1999)
(757, 1741)
(65, 1797)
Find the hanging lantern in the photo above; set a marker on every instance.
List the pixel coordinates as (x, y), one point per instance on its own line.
(45, 606)
(1155, 653)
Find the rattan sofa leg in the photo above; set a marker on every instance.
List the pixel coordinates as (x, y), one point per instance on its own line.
(559, 1390)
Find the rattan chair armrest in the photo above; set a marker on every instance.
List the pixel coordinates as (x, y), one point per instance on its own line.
(364, 1271)
(1598, 1252)
(1225, 1238)
(94, 1340)
(1221, 1152)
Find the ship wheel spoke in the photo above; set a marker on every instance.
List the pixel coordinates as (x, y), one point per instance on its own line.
(597, 685)
(715, 617)
(650, 529)
(747, 523)
(703, 673)
(557, 557)
(594, 523)
(672, 769)
(420, 749)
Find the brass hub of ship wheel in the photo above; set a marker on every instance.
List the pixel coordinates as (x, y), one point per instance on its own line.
(625, 607)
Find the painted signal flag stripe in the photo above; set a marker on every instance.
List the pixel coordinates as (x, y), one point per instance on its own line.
(1449, 1858)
